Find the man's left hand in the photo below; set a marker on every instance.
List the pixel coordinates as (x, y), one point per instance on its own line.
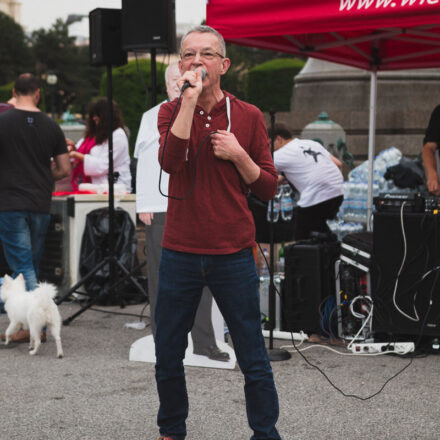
(226, 146)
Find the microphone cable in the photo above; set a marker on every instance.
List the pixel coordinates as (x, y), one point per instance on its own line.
(195, 158)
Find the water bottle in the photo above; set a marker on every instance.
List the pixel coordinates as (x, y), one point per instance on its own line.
(264, 261)
(394, 156)
(355, 201)
(281, 261)
(346, 207)
(264, 297)
(286, 203)
(276, 207)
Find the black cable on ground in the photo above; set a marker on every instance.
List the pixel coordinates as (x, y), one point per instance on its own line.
(354, 396)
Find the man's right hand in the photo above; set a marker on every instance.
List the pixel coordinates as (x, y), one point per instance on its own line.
(430, 165)
(146, 217)
(194, 77)
(432, 183)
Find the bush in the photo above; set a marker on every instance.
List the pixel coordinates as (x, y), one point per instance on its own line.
(270, 84)
(132, 91)
(6, 92)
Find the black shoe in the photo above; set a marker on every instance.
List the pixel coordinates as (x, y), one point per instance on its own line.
(212, 352)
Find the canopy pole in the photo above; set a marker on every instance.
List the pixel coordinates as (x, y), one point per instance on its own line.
(371, 147)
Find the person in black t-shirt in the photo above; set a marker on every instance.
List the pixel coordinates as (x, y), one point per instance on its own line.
(33, 154)
(430, 144)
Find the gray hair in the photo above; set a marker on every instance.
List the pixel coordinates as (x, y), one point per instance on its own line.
(170, 66)
(206, 29)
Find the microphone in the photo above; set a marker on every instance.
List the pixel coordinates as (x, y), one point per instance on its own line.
(186, 84)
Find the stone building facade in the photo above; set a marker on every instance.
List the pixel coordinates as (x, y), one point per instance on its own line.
(405, 100)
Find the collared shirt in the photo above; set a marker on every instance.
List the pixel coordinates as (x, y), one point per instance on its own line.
(148, 197)
(215, 218)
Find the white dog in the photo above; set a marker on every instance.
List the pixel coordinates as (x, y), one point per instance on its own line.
(31, 310)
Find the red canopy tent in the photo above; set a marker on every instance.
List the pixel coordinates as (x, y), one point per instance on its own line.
(368, 34)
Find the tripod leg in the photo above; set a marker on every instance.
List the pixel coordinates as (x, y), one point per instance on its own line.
(89, 304)
(81, 281)
(132, 279)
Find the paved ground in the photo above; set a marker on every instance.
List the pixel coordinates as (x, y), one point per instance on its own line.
(95, 392)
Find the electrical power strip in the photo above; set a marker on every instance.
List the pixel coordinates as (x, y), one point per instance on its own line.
(383, 347)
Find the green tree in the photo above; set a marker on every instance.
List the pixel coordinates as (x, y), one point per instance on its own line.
(55, 50)
(132, 91)
(6, 91)
(15, 55)
(244, 58)
(268, 94)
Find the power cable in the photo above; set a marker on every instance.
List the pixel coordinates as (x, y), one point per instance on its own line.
(354, 396)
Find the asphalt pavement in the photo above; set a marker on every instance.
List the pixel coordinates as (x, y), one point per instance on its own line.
(95, 392)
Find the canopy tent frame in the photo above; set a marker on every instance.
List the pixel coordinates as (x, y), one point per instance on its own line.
(357, 33)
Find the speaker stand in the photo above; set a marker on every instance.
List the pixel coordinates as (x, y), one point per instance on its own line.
(153, 77)
(275, 354)
(278, 354)
(111, 259)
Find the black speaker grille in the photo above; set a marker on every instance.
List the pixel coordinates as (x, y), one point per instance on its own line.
(309, 278)
(148, 24)
(106, 38)
(418, 287)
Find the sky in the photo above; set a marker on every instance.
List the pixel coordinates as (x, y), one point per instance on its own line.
(36, 14)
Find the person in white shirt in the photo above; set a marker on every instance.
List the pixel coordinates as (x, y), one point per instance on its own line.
(316, 174)
(152, 206)
(93, 162)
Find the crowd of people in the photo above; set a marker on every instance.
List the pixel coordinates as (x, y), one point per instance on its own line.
(208, 150)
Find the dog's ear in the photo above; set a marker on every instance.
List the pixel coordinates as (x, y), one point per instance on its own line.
(20, 277)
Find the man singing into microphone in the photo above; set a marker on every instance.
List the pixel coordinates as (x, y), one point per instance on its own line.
(215, 149)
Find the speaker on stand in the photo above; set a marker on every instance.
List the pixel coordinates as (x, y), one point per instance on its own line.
(149, 25)
(105, 27)
(106, 49)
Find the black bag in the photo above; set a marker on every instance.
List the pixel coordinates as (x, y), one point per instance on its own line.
(95, 247)
(407, 174)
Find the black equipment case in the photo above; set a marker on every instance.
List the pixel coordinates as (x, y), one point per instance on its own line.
(357, 250)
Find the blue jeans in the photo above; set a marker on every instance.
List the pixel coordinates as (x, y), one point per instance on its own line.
(233, 282)
(23, 234)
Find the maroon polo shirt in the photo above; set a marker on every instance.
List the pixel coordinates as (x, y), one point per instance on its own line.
(215, 218)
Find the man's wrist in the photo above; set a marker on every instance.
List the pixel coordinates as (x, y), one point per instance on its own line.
(431, 174)
(240, 157)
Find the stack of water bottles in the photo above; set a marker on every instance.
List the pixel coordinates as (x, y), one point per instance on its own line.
(352, 215)
(282, 205)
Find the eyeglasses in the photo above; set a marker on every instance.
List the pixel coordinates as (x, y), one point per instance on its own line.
(189, 55)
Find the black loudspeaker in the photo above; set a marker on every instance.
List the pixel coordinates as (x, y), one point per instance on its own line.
(413, 306)
(309, 279)
(51, 263)
(149, 24)
(106, 38)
